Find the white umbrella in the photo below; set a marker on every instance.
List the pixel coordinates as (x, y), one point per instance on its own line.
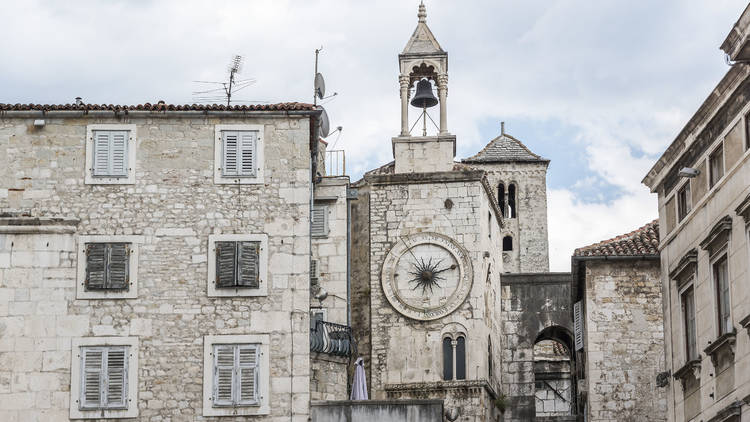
(359, 386)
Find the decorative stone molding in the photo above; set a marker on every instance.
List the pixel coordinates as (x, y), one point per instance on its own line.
(743, 209)
(719, 235)
(685, 268)
(692, 367)
(725, 342)
(745, 323)
(727, 414)
(37, 225)
(428, 388)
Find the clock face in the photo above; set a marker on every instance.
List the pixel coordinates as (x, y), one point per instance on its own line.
(426, 276)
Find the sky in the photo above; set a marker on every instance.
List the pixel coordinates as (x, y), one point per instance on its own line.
(600, 88)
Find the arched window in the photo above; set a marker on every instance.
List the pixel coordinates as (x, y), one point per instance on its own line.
(507, 243)
(512, 200)
(501, 198)
(461, 358)
(447, 358)
(454, 358)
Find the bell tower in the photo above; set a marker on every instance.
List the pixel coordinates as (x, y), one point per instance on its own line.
(424, 63)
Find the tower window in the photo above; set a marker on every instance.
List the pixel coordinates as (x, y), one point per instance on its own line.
(507, 243)
(454, 358)
(501, 198)
(512, 200)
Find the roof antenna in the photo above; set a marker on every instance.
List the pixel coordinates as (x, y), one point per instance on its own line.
(502, 128)
(224, 90)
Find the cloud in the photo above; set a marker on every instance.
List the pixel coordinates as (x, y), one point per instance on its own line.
(623, 77)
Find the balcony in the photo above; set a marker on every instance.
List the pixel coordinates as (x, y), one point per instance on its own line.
(332, 339)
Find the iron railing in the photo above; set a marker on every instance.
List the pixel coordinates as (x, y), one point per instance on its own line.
(333, 339)
(335, 162)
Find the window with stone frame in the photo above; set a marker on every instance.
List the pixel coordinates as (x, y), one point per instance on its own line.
(110, 154)
(687, 299)
(454, 357)
(107, 266)
(238, 154)
(684, 201)
(720, 273)
(237, 264)
(716, 165)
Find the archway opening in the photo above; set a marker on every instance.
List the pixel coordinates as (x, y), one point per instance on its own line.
(554, 388)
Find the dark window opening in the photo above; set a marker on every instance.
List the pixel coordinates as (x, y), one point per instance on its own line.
(721, 279)
(688, 315)
(501, 198)
(684, 202)
(489, 224)
(489, 357)
(447, 359)
(512, 200)
(461, 358)
(716, 165)
(507, 243)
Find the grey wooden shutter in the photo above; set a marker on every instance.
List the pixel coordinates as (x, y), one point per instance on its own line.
(118, 266)
(116, 377)
(119, 153)
(314, 272)
(223, 374)
(230, 156)
(319, 226)
(247, 264)
(96, 266)
(247, 147)
(101, 153)
(578, 325)
(226, 259)
(92, 363)
(247, 367)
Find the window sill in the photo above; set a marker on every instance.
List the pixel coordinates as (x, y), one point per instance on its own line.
(725, 343)
(220, 180)
(91, 180)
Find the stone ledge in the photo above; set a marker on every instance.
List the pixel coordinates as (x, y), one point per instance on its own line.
(692, 367)
(718, 235)
(744, 209)
(728, 340)
(731, 410)
(11, 224)
(745, 323)
(423, 387)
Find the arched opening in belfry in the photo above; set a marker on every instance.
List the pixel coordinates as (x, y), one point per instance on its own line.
(507, 243)
(501, 198)
(554, 378)
(512, 200)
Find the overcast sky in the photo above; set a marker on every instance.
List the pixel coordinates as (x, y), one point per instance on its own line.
(599, 87)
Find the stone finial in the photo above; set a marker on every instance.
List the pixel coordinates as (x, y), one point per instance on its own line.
(422, 15)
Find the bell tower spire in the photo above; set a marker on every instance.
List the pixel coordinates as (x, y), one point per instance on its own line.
(423, 60)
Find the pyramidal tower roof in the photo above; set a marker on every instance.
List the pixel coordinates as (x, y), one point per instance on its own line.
(503, 149)
(422, 41)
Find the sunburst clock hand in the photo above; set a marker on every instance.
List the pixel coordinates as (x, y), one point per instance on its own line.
(452, 267)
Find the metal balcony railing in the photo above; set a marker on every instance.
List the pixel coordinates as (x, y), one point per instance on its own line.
(335, 162)
(332, 339)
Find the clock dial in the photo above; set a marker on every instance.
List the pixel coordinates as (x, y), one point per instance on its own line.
(426, 276)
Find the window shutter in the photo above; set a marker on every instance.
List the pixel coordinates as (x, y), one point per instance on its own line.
(319, 226)
(223, 374)
(116, 377)
(119, 153)
(314, 272)
(230, 166)
(247, 264)
(578, 325)
(101, 153)
(118, 268)
(96, 266)
(247, 143)
(248, 379)
(226, 253)
(92, 360)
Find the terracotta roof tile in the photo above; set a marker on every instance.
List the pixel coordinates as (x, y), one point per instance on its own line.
(159, 106)
(643, 241)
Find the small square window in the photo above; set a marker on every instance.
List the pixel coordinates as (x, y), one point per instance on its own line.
(236, 375)
(684, 201)
(716, 165)
(238, 154)
(110, 154)
(108, 267)
(237, 265)
(319, 224)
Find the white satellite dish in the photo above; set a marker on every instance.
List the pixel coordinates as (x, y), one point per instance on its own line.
(320, 86)
(325, 125)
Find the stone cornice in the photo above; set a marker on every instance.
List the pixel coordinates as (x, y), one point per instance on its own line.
(425, 387)
(727, 340)
(731, 410)
(743, 209)
(692, 367)
(685, 267)
(745, 323)
(719, 234)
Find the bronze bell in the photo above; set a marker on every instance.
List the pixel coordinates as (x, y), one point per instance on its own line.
(424, 97)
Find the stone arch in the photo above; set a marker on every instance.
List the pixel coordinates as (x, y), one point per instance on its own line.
(453, 345)
(554, 376)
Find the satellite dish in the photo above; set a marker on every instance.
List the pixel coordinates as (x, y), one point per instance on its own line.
(320, 86)
(325, 125)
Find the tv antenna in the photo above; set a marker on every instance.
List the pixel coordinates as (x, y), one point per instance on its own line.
(224, 90)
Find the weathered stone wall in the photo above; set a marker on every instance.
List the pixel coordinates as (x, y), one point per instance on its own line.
(378, 411)
(360, 277)
(174, 204)
(407, 351)
(624, 340)
(535, 307)
(328, 377)
(529, 229)
(424, 154)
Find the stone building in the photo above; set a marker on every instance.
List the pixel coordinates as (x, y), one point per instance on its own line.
(154, 261)
(703, 185)
(621, 348)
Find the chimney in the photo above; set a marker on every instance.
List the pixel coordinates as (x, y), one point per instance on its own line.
(502, 128)
(79, 101)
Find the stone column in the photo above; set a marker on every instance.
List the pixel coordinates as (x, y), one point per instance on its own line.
(403, 81)
(442, 97)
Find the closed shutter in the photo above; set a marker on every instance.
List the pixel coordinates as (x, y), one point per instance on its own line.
(248, 375)
(101, 153)
(226, 253)
(247, 264)
(230, 143)
(223, 374)
(96, 266)
(247, 143)
(119, 154)
(578, 324)
(117, 377)
(319, 226)
(119, 257)
(314, 274)
(92, 363)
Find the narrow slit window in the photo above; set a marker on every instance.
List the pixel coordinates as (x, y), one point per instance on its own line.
(688, 316)
(684, 201)
(507, 244)
(721, 280)
(512, 200)
(447, 358)
(501, 198)
(461, 358)
(716, 165)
